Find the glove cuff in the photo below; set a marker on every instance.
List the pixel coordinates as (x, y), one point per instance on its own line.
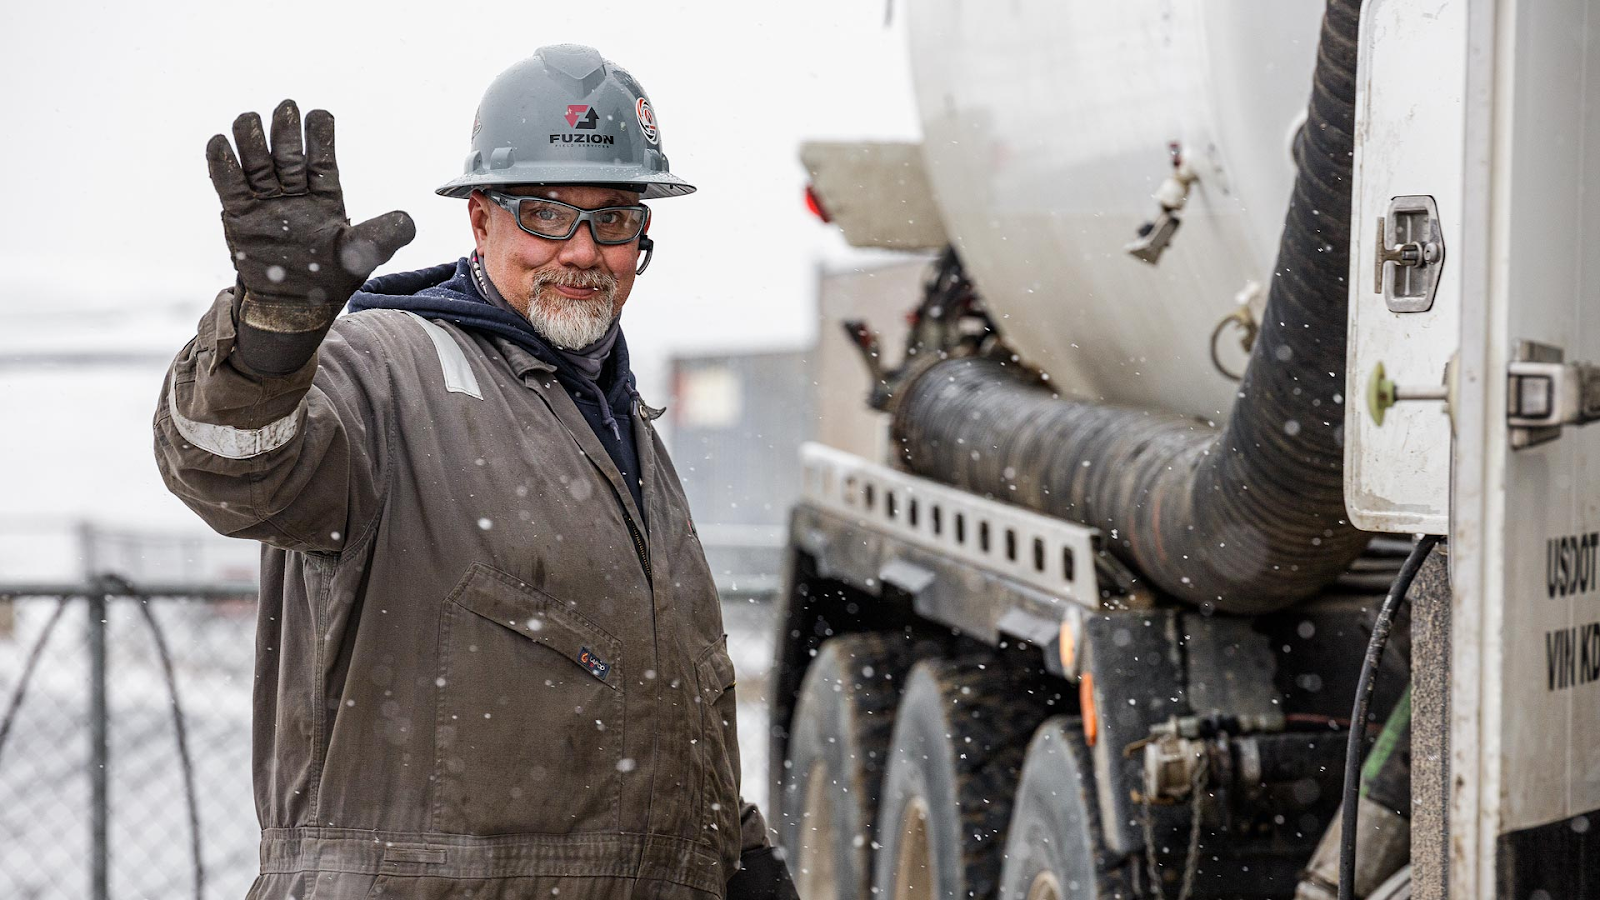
(280, 316)
(277, 337)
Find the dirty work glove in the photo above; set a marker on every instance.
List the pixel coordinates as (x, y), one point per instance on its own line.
(762, 875)
(298, 258)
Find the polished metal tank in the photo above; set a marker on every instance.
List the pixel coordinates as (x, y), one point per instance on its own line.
(1047, 128)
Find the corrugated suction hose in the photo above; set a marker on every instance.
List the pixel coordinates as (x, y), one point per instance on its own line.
(1246, 519)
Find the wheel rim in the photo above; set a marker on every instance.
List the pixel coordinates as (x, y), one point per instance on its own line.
(914, 871)
(1396, 887)
(816, 879)
(1045, 887)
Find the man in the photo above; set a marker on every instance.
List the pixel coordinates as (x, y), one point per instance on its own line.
(490, 659)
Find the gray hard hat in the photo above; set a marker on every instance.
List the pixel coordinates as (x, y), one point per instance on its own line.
(567, 115)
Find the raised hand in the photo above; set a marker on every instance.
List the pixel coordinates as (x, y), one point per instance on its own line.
(298, 257)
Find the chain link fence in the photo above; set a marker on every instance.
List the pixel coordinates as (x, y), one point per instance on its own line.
(125, 741)
(125, 737)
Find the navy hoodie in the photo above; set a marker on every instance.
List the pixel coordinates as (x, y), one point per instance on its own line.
(448, 292)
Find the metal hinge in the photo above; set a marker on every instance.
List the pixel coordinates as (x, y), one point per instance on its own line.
(1545, 394)
(1407, 273)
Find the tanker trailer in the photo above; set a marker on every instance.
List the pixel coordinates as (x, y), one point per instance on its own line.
(1166, 427)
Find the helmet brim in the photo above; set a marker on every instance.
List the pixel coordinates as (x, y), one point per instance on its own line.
(656, 185)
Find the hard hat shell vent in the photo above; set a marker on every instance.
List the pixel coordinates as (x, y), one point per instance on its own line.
(580, 63)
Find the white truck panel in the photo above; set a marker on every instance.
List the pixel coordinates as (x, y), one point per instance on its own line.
(1551, 725)
(1410, 127)
(1525, 731)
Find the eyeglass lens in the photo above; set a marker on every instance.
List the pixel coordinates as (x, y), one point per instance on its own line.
(552, 219)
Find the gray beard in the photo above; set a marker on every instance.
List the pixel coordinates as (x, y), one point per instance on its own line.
(567, 323)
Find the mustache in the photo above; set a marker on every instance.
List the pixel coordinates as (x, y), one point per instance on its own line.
(576, 278)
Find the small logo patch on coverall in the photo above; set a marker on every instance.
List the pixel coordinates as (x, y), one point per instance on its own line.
(594, 664)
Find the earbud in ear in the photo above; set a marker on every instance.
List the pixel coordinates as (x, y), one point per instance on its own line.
(647, 247)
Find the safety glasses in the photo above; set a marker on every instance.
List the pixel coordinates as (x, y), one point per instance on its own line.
(558, 221)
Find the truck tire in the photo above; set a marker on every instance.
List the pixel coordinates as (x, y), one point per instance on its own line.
(1054, 847)
(959, 737)
(834, 771)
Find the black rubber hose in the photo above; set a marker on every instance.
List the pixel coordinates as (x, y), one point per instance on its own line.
(1248, 518)
(1349, 815)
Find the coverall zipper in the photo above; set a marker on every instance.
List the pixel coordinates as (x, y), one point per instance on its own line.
(638, 544)
(640, 549)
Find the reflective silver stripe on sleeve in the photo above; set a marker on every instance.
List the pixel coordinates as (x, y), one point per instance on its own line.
(458, 377)
(234, 443)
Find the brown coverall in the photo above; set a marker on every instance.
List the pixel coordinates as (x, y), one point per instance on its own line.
(475, 677)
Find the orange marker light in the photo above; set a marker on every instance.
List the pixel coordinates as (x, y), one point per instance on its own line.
(1091, 718)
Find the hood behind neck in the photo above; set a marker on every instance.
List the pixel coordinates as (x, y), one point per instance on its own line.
(450, 292)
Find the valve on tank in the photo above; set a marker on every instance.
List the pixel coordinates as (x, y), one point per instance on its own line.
(1156, 234)
(1248, 762)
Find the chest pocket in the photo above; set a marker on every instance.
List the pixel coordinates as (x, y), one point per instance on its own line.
(718, 748)
(530, 715)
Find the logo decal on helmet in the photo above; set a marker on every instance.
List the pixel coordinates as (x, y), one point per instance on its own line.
(580, 115)
(647, 120)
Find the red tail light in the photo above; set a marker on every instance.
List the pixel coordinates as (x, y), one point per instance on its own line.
(815, 205)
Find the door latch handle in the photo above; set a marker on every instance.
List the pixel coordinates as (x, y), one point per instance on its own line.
(1407, 273)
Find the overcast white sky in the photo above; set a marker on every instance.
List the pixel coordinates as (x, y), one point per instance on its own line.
(108, 108)
(109, 232)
